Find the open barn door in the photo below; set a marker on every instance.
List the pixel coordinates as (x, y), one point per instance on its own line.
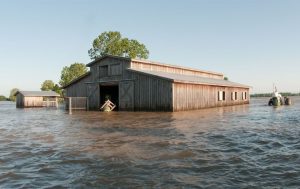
(111, 93)
(126, 95)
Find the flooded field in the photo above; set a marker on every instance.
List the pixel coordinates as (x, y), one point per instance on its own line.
(247, 146)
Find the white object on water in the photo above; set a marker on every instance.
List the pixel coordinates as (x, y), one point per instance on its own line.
(276, 94)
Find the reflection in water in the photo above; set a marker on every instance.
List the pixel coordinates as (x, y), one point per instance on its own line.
(228, 147)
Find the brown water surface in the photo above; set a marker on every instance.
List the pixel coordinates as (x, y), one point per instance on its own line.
(247, 146)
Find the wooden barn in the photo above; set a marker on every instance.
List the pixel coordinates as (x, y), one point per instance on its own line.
(141, 85)
(29, 99)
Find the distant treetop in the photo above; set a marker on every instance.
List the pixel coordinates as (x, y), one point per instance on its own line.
(47, 85)
(12, 96)
(112, 43)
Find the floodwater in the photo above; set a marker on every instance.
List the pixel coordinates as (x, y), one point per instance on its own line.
(247, 146)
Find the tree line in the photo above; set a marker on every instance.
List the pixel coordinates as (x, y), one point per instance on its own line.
(107, 43)
(270, 94)
(3, 98)
(11, 96)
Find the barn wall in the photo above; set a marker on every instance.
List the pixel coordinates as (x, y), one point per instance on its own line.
(33, 102)
(173, 69)
(193, 96)
(126, 95)
(19, 100)
(93, 95)
(89, 86)
(116, 72)
(116, 69)
(141, 92)
(78, 89)
(151, 93)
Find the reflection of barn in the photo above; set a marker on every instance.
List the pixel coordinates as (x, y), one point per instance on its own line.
(26, 99)
(140, 85)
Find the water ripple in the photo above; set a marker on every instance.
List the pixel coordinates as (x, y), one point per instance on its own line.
(248, 146)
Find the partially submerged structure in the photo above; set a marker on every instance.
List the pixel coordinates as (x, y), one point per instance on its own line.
(141, 85)
(28, 99)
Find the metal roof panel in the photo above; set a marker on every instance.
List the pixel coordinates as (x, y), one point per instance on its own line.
(180, 78)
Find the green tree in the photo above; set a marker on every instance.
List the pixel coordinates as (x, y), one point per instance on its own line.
(57, 89)
(69, 73)
(12, 96)
(47, 85)
(2, 98)
(226, 78)
(112, 43)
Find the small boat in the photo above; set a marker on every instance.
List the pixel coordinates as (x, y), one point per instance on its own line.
(278, 100)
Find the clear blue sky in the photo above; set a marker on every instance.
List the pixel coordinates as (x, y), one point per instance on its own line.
(254, 42)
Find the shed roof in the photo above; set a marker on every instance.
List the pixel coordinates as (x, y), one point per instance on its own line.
(179, 78)
(38, 93)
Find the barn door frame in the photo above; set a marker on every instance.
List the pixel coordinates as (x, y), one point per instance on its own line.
(92, 90)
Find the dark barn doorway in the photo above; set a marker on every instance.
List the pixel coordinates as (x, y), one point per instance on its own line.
(110, 92)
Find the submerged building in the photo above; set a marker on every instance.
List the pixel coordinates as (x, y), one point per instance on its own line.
(30, 99)
(141, 85)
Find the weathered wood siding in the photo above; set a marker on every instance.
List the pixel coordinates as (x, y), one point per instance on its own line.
(151, 93)
(19, 101)
(78, 89)
(126, 95)
(142, 92)
(116, 70)
(33, 101)
(194, 96)
(93, 96)
(89, 86)
(28, 101)
(173, 69)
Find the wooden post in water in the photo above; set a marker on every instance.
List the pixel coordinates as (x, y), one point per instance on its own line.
(70, 105)
(56, 102)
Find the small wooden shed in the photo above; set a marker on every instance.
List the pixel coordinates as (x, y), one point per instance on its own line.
(29, 99)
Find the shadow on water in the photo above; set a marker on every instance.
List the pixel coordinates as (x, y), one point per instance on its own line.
(228, 147)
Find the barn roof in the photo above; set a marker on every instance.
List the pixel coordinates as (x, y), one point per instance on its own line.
(107, 56)
(38, 93)
(76, 80)
(176, 66)
(151, 63)
(179, 78)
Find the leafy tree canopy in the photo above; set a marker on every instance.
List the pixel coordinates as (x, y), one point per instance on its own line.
(112, 43)
(47, 85)
(12, 96)
(57, 89)
(69, 73)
